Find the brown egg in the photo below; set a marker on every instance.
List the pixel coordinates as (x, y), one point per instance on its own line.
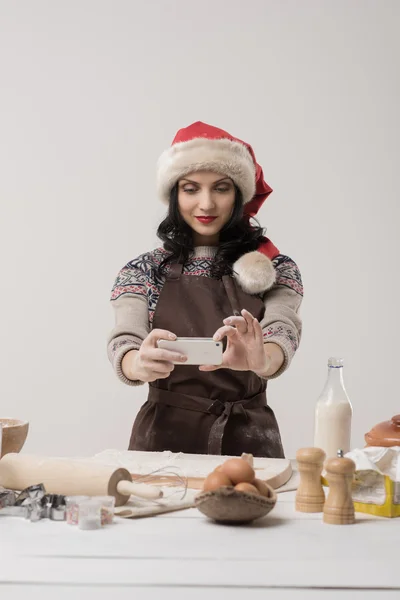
(216, 480)
(248, 488)
(238, 470)
(261, 487)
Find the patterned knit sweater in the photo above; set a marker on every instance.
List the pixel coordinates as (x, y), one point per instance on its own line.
(137, 288)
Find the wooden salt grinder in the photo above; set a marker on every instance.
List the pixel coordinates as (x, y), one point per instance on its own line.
(339, 507)
(310, 495)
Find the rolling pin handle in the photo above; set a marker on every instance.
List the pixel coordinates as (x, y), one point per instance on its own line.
(142, 490)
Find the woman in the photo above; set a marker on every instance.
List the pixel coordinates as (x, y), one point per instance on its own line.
(216, 276)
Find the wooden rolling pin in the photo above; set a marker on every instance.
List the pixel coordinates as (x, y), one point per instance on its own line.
(71, 478)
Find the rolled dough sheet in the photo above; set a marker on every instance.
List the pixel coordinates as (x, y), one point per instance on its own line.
(167, 466)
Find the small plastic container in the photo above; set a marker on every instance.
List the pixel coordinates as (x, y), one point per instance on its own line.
(107, 504)
(90, 514)
(72, 504)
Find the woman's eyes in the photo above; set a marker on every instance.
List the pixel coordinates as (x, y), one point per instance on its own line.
(219, 189)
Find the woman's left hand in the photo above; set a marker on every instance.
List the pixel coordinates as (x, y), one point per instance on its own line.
(245, 345)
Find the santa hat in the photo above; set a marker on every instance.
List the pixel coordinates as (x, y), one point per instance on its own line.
(202, 147)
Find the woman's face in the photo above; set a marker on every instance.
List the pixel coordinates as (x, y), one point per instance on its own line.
(206, 202)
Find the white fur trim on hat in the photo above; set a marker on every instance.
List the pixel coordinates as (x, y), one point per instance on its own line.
(254, 272)
(223, 156)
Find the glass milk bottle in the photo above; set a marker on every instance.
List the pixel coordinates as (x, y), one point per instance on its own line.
(333, 412)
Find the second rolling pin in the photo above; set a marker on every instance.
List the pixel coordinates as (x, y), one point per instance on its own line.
(71, 477)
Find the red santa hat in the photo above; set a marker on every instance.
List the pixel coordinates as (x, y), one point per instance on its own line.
(202, 147)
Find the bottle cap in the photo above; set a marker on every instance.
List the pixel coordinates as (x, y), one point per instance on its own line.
(335, 362)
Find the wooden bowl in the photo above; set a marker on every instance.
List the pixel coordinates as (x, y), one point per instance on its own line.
(227, 505)
(15, 433)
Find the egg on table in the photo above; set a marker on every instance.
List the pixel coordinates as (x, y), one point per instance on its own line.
(238, 470)
(248, 488)
(215, 480)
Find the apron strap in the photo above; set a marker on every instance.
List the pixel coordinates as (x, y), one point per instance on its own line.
(217, 430)
(231, 292)
(175, 271)
(196, 403)
(223, 410)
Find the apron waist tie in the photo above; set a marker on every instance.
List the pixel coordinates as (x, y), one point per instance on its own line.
(223, 410)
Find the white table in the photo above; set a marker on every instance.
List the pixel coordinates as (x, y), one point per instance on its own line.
(183, 555)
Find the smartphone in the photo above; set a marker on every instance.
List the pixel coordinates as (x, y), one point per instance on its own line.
(199, 351)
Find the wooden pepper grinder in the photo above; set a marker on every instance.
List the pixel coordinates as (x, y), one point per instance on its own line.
(339, 507)
(310, 496)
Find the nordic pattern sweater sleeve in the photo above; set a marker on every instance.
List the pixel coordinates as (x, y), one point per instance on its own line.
(131, 316)
(281, 323)
(137, 288)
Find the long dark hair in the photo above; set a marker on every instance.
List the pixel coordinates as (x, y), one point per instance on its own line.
(237, 237)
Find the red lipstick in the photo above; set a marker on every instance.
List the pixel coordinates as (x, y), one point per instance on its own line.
(206, 220)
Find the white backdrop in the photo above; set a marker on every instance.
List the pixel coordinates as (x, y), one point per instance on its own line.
(93, 91)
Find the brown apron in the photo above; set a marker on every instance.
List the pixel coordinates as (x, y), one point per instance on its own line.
(218, 412)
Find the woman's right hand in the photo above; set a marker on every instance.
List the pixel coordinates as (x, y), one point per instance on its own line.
(150, 362)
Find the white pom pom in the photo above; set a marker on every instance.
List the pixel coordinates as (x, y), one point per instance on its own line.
(254, 272)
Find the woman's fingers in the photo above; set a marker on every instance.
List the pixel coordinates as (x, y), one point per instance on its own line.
(258, 332)
(225, 331)
(210, 367)
(249, 320)
(159, 354)
(244, 324)
(158, 366)
(159, 334)
(238, 322)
